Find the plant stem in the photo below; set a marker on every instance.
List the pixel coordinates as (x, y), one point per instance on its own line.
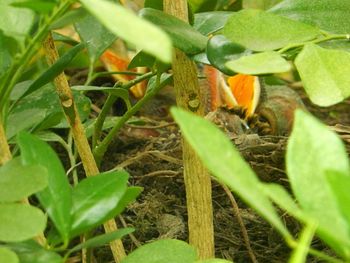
(81, 142)
(197, 178)
(109, 103)
(100, 150)
(5, 154)
(315, 41)
(19, 64)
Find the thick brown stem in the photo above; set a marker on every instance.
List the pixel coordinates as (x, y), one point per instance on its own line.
(5, 154)
(197, 178)
(81, 142)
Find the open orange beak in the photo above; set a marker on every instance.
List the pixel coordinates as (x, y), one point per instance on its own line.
(239, 90)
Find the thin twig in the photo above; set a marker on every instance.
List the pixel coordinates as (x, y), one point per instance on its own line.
(241, 223)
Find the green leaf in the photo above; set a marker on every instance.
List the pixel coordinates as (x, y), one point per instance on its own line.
(56, 198)
(15, 22)
(218, 154)
(301, 251)
(261, 63)
(210, 22)
(19, 222)
(70, 17)
(282, 198)
(31, 252)
(54, 70)
(328, 15)
(95, 36)
(165, 250)
(221, 50)
(94, 198)
(340, 183)
(132, 29)
(259, 4)
(325, 74)
(102, 239)
(39, 6)
(19, 121)
(183, 36)
(142, 59)
(155, 4)
(19, 181)
(262, 31)
(6, 255)
(341, 44)
(307, 172)
(65, 39)
(8, 49)
(41, 105)
(129, 197)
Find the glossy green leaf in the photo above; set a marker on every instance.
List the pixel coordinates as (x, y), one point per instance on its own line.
(70, 17)
(328, 15)
(39, 6)
(220, 50)
(8, 256)
(19, 222)
(325, 74)
(96, 37)
(100, 240)
(155, 4)
(65, 39)
(15, 22)
(56, 198)
(218, 154)
(19, 89)
(340, 183)
(261, 63)
(301, 251)
(259, 4)
(94, 198)
(132, 29)
(201, 58)
(54, 70)
(183, 36)
(262, 31)
(165, 250)
(307, 172)
(40, 105)
(210, 22)
(31, 252)
(19, 181)
(130, 195)
(142, 59)
(24, 120)
(8, 48)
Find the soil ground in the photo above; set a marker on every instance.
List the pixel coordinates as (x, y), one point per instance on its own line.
(152, 155)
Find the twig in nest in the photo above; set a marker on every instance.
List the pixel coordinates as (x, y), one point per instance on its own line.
(141, 155)
(241, 224)
(163, 125)
(131, 235)
(169, 172)
(95, 108)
